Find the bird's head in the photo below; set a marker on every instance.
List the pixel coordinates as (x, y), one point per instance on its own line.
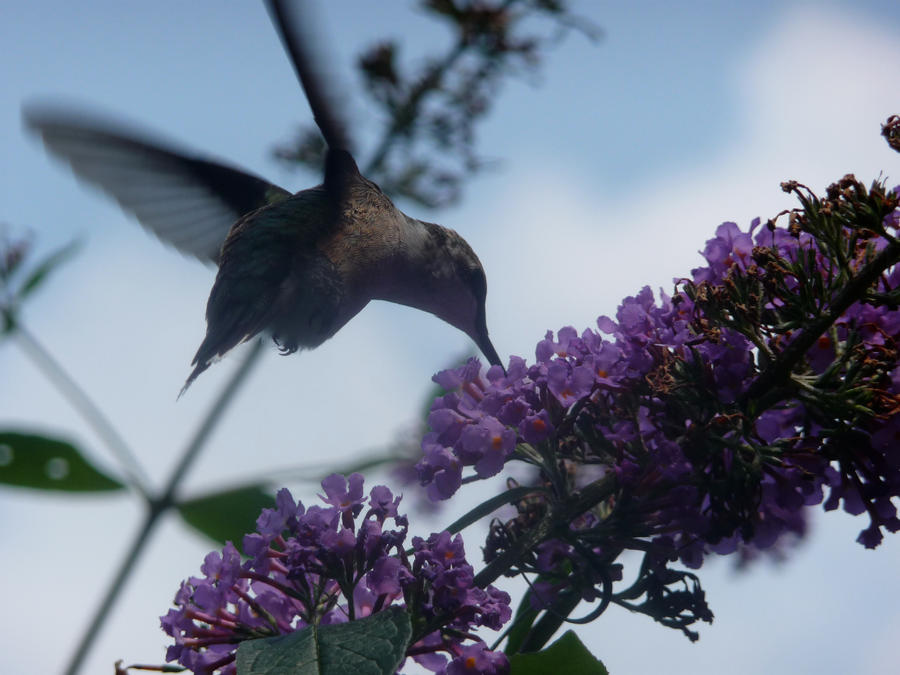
(454, 286)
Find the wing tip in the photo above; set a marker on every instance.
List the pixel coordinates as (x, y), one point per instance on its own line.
(41, 114)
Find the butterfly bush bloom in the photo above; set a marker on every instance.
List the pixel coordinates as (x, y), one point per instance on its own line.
(331, 564)
(661, 400)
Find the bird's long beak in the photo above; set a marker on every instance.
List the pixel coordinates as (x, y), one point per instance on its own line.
(487, 348)
(483, 341)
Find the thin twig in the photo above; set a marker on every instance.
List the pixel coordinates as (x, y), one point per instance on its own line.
(113, 591)
(211, 420)
(161, 505)
(78, 398)
(409, 108)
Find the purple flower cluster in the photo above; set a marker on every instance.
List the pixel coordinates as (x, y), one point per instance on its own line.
(663, 403)
(331, 564)
(842, 435)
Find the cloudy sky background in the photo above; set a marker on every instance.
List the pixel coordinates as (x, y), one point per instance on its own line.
(617, 164)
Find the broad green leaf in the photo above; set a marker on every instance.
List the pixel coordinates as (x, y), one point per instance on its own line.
(34, 461)
(566, 655)
(375, 645)
(39, 274)
(227, 515)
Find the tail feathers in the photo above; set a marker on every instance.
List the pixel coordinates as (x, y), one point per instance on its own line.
(199, 368)
(210, 351)
(214, 346)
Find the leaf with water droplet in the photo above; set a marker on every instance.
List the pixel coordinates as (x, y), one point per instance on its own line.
(44, 463)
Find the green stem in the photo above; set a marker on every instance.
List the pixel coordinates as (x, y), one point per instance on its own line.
(162, 504)
(546, 627)
(559, 515)
(212, 419)
(112, 592)
(781, 367)
(409, 109)
(78, 398)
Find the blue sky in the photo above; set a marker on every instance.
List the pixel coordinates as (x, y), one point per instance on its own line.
(617, 163)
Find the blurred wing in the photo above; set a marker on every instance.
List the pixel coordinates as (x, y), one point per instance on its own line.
(297, 29)
(188, 202)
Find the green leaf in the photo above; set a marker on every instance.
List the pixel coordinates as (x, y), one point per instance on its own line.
(564, 603)
(521, 625)
(9, 320)
(566, 655)
(227, 515)
(375, 645)
(33, 461)
(43, 269)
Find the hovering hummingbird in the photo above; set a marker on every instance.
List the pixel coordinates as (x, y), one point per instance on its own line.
(287, 264)
(295, 266)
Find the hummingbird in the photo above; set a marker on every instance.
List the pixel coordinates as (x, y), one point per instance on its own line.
(296, 266)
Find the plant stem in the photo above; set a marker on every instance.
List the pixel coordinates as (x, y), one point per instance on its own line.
(781, 367)
(211, 420)
(159, 506)
(409, 108)
(78, 398)
(112, 592)
(559, 515)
